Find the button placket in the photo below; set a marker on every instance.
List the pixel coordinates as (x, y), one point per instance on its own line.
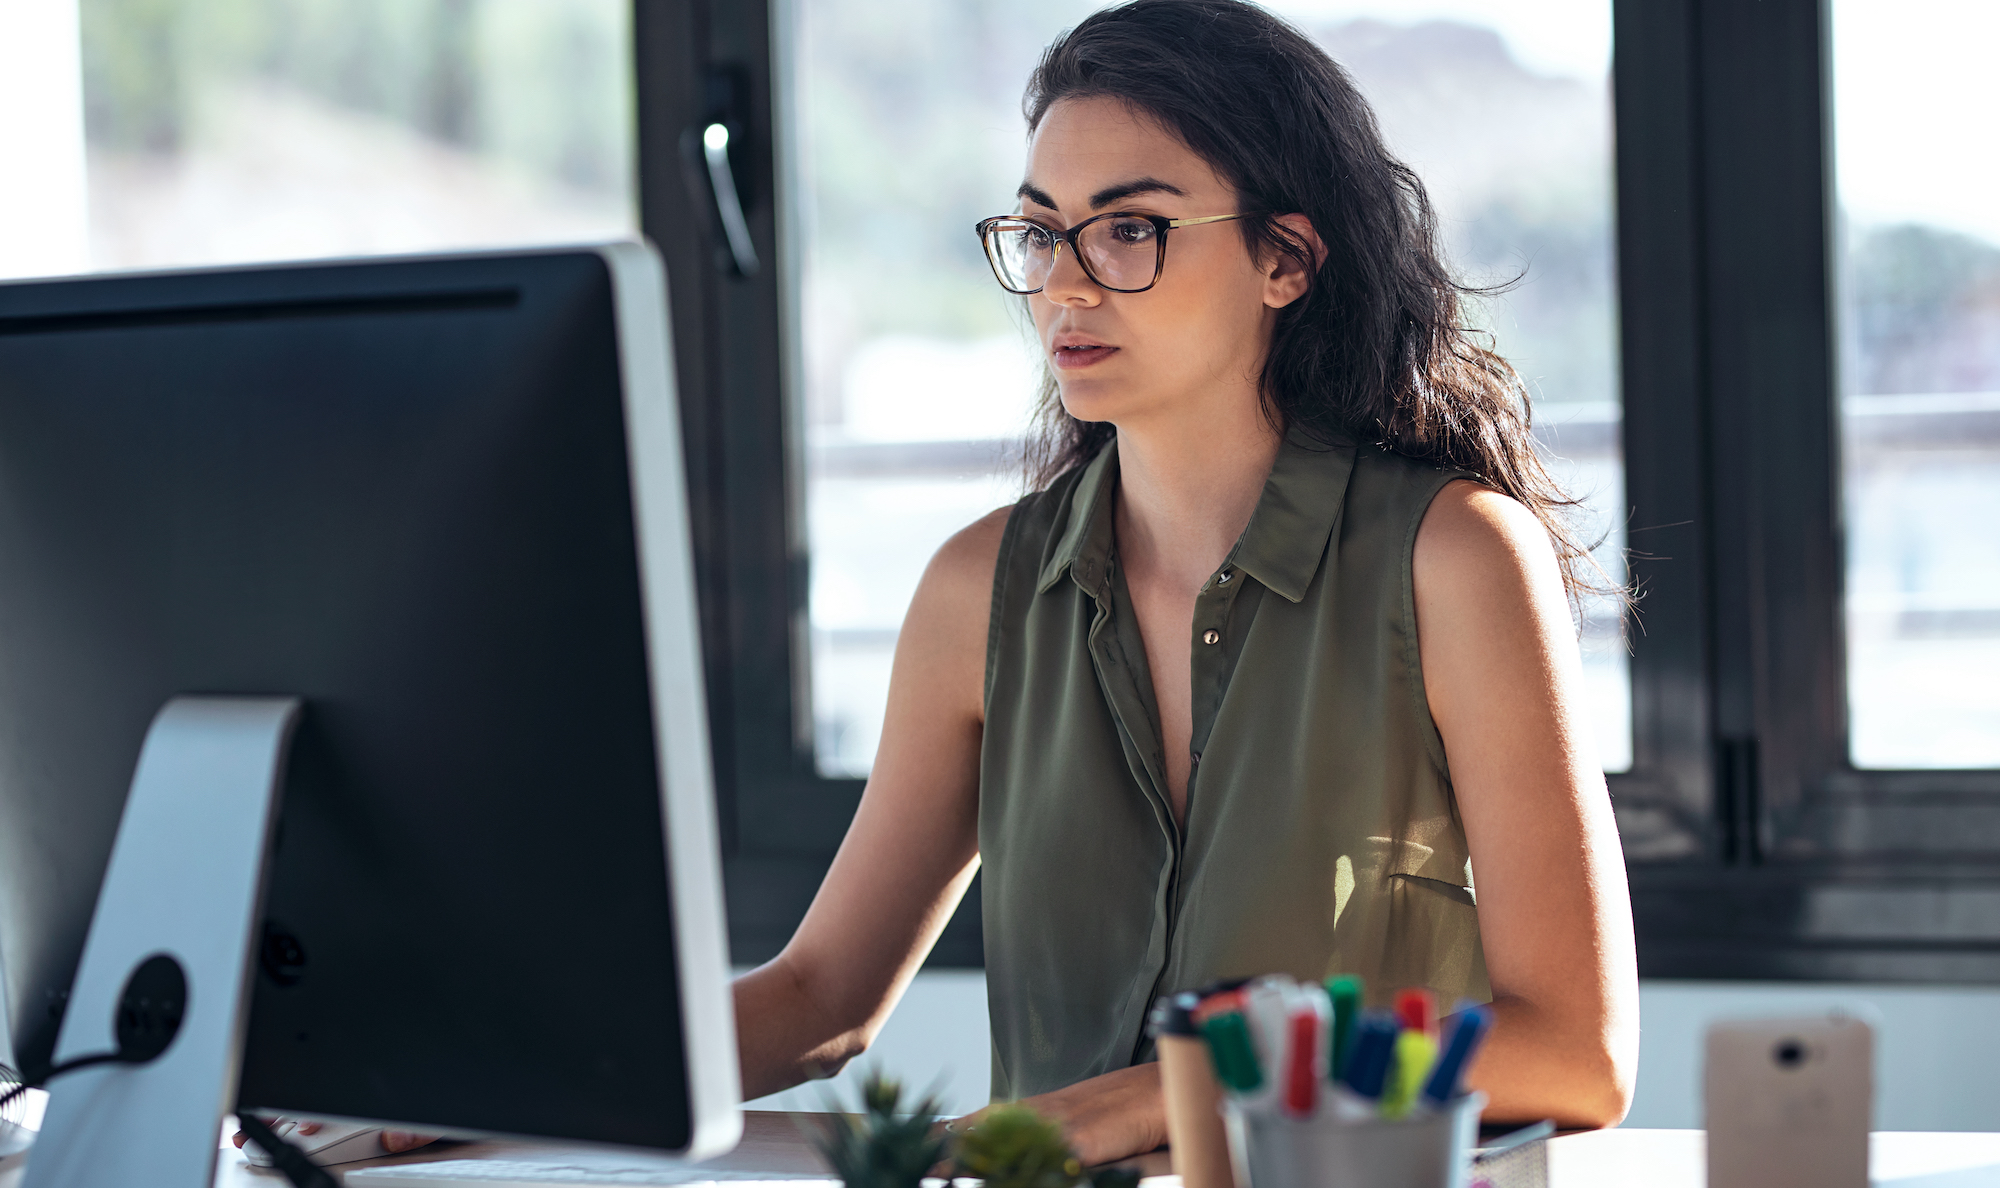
(1212, 608)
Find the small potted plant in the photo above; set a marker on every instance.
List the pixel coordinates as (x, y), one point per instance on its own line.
(884, 1146)
(1009, 1146)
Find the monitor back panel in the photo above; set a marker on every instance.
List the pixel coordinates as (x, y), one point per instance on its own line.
(398, 490)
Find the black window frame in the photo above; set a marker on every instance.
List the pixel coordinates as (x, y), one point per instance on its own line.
(1756, 849)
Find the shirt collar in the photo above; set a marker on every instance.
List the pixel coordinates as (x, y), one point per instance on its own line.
(1301, 503)
(1281, 548)
(1085, 547)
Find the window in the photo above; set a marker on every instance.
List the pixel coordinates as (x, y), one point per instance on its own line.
(918, 372)
(1919, 324)
(248, 130)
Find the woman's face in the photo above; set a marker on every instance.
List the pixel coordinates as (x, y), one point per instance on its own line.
(1197, 336)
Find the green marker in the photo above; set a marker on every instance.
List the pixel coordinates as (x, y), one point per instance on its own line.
(1228, 1036)
(1345, 991)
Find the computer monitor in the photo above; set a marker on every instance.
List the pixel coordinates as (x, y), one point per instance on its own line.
(439, 502)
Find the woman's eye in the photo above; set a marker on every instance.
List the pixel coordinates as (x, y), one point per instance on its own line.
(1131, 232)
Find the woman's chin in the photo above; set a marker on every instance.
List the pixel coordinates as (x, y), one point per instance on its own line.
(1089, 400)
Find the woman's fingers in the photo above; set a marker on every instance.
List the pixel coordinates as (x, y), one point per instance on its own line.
(240, 1138)
(395, 1142)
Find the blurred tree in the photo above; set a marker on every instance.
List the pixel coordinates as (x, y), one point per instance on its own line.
(1925, 305)
(134, 93)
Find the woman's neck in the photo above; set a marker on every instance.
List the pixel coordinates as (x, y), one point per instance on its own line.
(1186, 491)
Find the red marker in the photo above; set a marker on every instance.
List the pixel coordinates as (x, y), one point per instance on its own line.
(1215, 1004)
(1304, 1061)
(1416, 1010)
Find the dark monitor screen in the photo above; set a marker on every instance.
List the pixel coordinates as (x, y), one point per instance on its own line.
(403, 491)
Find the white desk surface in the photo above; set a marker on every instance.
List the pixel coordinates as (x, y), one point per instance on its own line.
(778, 1143)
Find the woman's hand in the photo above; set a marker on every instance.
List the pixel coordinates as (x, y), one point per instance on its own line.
(394, 1142)
(1107, 1118)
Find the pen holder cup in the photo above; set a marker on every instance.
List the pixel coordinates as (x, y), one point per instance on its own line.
(1432, 1151)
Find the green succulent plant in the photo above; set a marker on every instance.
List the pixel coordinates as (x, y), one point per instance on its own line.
(1015, 1147)
(884, 1146)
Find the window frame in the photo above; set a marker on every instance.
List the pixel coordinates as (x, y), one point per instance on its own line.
(1755, 849)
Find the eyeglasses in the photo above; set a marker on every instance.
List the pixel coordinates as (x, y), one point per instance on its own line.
(1120, 251)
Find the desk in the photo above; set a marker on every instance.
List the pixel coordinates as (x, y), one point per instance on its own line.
(777, 1144)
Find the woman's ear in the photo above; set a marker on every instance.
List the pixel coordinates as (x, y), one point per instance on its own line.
(1285, 281)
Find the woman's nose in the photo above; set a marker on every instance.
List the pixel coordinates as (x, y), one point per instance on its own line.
(1067, 284)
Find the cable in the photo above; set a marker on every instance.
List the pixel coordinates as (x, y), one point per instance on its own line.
(297, 1166)
(58, 1070)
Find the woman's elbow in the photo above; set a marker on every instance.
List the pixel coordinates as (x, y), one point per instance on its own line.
(1599, 1090)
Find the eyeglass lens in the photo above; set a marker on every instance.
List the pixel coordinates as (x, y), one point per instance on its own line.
(1118, 253)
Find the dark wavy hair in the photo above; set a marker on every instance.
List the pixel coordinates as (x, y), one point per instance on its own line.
(1376, 350)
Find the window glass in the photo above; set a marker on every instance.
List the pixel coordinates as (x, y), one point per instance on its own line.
(1915, 97)
(919, 372)
(237, 130)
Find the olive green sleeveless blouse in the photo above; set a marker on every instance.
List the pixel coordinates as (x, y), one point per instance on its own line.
(1321, 834)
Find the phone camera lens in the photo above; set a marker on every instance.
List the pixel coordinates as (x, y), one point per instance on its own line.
(1789, 1053)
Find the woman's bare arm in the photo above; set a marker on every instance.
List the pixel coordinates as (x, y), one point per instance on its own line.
(908, 856)
(1501, 669)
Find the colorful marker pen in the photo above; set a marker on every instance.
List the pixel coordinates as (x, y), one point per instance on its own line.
(1415, 1053)
(1235, 1056)
(1305, 1049)
(1374, 1046)
(1468, 1029)
(1416, 1009)
(1345, 992)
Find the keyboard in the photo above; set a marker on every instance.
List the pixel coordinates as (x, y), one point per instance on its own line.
(569, 1168)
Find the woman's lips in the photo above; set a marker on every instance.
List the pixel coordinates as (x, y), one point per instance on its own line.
(1072, 358)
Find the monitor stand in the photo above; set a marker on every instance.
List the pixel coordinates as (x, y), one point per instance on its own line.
(185, 881)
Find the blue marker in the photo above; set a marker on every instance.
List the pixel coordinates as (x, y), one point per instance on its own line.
(1472, 1026)
(1374, 1047)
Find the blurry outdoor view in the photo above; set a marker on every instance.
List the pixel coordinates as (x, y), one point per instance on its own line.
(238, 130)
(919, 371)
(1915, 96)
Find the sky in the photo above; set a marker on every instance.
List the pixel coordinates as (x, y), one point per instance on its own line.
(1569, 38)
(1916, 90)
(1916, 96)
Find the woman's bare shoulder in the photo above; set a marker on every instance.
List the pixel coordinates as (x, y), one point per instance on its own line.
(942, 646)
(1471, 526)
(969, 556)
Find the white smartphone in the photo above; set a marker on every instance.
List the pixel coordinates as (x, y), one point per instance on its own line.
(1789, 1102)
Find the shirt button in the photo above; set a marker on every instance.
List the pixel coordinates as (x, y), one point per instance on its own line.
(1211, 636)
(1223, 577)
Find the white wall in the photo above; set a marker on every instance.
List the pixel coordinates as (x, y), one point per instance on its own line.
(936, 1037)
(44, 226)
(1936, 1047)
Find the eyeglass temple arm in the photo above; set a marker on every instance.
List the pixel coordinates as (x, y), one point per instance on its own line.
(1199, 222)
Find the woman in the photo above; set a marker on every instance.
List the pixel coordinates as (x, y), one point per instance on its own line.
(1278, 655)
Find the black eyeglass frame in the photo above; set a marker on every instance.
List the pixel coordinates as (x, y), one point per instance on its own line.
(985, 226)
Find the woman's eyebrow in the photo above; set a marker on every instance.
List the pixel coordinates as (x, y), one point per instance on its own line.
(1143, 185)
(1036, 195)
(1105, 196)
